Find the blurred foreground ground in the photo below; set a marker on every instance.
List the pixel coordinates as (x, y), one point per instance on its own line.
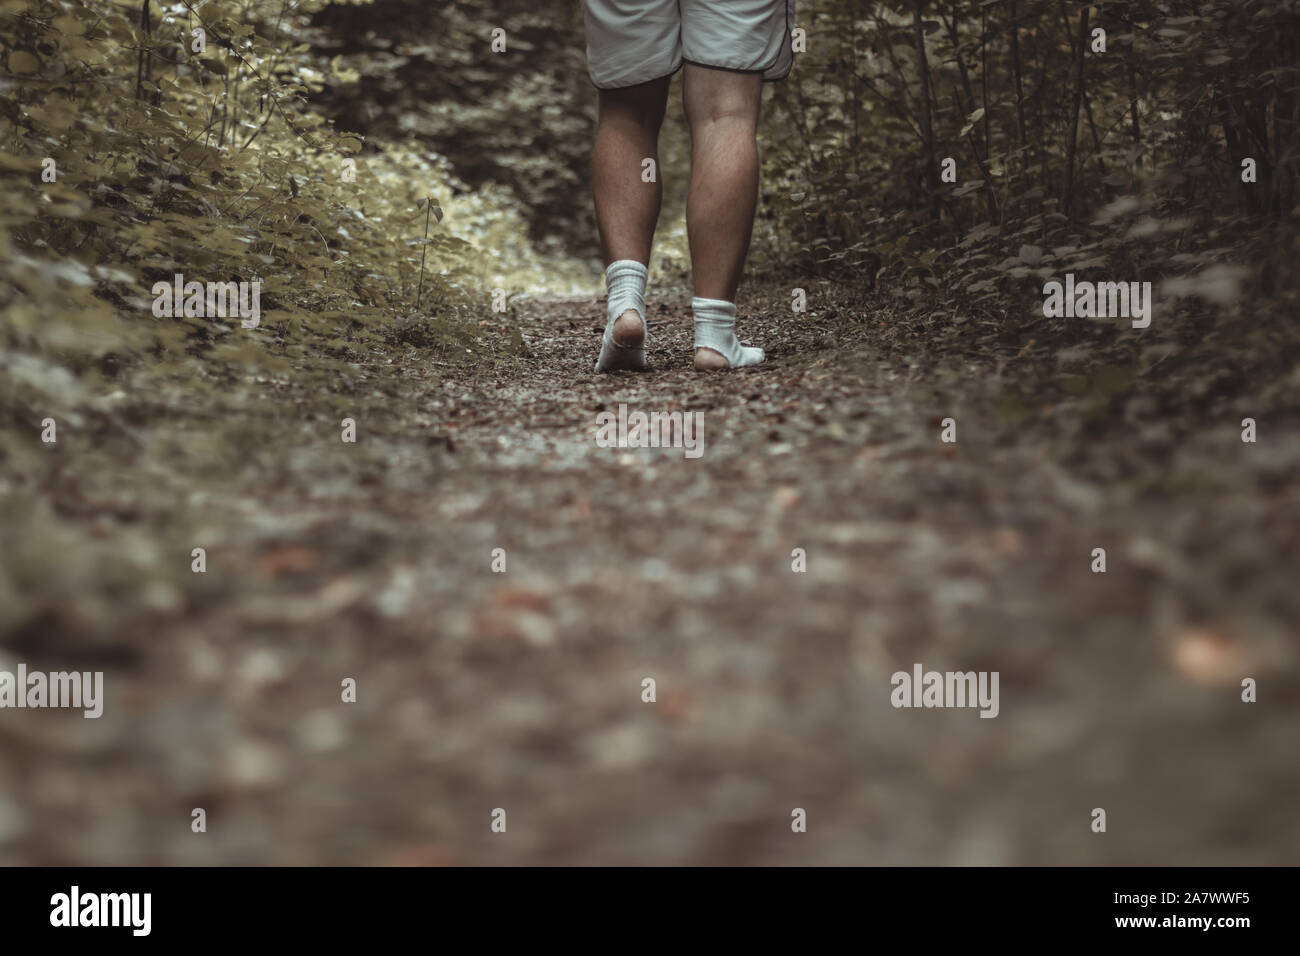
(522, 690)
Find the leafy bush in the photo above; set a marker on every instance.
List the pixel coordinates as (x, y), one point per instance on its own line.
(209, 159)
(1067, 158)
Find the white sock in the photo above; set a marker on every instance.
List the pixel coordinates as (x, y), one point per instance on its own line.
(625, 287)
(715, 328)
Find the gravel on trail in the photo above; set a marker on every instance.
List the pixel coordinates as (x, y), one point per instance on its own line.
(522, 690)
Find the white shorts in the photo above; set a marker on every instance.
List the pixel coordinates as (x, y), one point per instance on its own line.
(635, 41)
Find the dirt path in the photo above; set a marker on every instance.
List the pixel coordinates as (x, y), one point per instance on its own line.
(522, 690)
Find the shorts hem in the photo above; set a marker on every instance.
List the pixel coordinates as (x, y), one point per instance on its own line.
(730, 69)
(627, 86)
(760, 71)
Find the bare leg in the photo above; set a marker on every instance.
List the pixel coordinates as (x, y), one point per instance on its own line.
(722, 110)
(627, 208)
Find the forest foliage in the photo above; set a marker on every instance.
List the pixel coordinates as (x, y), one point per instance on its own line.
(1103, 136)
(142, 140)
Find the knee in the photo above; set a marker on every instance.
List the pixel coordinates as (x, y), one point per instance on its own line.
(635, 108)
(734, 107)
(736, 122)
(631, 120)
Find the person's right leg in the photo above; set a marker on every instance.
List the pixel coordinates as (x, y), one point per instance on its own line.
(722, 111)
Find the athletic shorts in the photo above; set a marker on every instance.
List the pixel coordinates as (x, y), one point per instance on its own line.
(635, 41)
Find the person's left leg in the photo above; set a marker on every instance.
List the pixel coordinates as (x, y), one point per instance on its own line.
(627, 207)
(627, 134)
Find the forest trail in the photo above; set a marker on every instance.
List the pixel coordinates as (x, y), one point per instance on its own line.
(243, 526)
(522, 690)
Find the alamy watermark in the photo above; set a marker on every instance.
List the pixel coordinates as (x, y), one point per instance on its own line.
(210, 300)
(652, 430)
(923, 688)
(74, 689)
(1100, 300)
(75, 908)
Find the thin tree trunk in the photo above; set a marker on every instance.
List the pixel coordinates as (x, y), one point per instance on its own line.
(966, 87)
(142, 59)
(1020, 89)
(1067, 196)
(984, 79)
(1040, 89)
(1096, 140)
(857, 139)
(927, 111)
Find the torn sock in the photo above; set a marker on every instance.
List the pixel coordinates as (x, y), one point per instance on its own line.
(625, 286)
(715, 328)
